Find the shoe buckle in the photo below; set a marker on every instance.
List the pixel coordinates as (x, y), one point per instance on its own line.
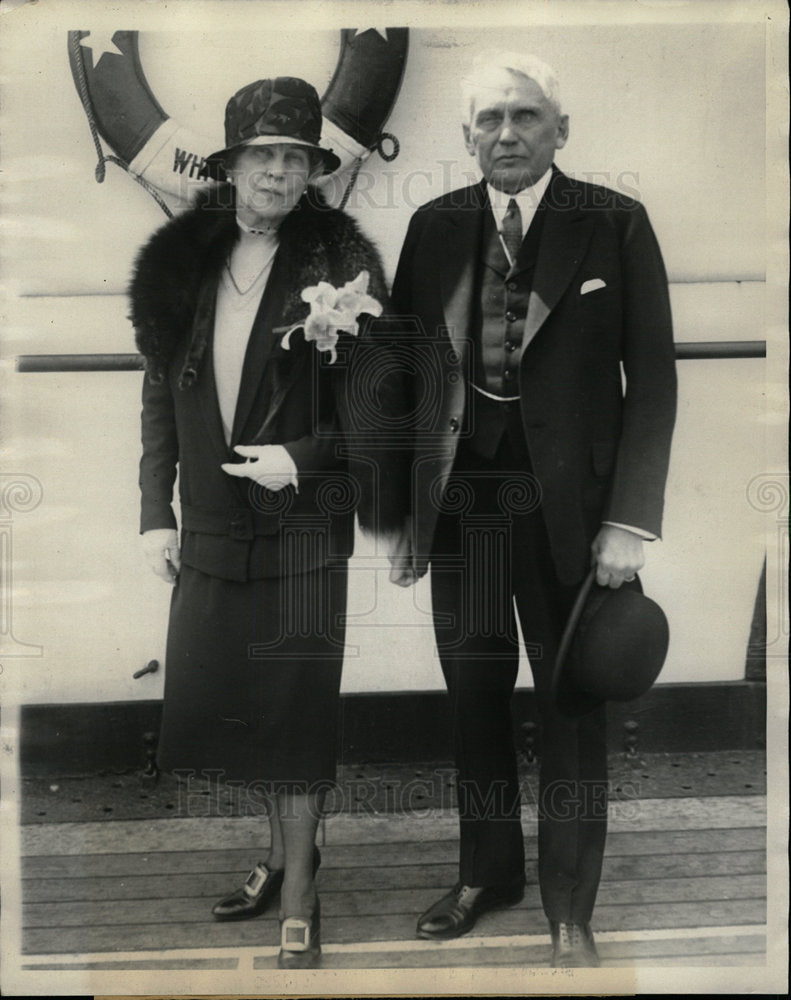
(256, 880)
(295, 934)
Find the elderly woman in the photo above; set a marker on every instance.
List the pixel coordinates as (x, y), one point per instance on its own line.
(249, 395)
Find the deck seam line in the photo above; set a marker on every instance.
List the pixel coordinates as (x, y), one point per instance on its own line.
(345, 891)
(372, 844)
(518, 940)
(238, 872)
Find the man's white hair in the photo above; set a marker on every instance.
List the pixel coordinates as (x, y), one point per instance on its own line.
(488, 67)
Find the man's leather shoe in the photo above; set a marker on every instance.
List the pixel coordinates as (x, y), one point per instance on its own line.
(573, 946)
(456, 913)
(257, 894)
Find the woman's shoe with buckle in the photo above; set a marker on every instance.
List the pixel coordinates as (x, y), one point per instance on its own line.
(300, 941)
(257, 894)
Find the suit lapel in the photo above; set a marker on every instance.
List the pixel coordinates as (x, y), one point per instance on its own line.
(565, 236)
(458, 256)
(205, 388)
(259, 347)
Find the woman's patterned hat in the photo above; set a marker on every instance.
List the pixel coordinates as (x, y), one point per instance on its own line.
(266, 112)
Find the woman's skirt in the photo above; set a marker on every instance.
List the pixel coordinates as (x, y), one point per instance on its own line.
(252, 678)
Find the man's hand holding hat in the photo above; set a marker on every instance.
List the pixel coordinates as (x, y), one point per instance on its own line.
(617, 555)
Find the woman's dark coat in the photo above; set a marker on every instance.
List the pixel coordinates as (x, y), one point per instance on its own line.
(335, 431)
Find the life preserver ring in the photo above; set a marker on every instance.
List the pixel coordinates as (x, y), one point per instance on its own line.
(122, 108)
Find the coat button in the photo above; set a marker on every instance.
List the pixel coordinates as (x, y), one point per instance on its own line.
(510, 317)
(511, 286)
(454, 424)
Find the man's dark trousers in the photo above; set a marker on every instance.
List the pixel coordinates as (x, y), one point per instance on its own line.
(491, 549)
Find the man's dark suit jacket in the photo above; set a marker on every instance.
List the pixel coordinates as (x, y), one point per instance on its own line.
(599, 303)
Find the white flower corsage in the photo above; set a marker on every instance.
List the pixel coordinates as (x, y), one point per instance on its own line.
(332, 310)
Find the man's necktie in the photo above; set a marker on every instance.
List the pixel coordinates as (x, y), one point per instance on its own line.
(512, 229)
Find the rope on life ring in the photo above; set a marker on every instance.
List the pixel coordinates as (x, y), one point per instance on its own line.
(162, 156)
(387, 157)
(78, 64)
(351, 182)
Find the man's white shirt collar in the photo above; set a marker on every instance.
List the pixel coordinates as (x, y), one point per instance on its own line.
(527, 199)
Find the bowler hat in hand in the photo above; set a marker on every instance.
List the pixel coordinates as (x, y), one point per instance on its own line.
(612, 649)
(285, 109)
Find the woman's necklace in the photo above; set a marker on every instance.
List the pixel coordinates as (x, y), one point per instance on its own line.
(258, 230)
(243, 258)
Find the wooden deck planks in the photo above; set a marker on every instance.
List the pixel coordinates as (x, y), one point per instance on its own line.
(745, 949)
(684, 949)
(130, 964)
(160, 901)
(175, 861)
(81, 886)
(139, 933)
(367, 903)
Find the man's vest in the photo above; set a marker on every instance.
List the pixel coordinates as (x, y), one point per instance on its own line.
(503, 294)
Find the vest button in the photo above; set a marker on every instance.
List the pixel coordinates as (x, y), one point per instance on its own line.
(508, 373)
(510, 345)
(510, 317)
(453, 424)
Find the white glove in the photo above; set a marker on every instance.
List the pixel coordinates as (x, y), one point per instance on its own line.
(269, 465)
(161, 549)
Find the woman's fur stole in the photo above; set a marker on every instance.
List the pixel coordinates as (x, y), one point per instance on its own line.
(175, 275)
(319, 243)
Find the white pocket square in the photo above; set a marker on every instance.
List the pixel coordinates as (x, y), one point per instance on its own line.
(591, 285)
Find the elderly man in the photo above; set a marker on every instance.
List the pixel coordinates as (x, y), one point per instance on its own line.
(543, 337)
